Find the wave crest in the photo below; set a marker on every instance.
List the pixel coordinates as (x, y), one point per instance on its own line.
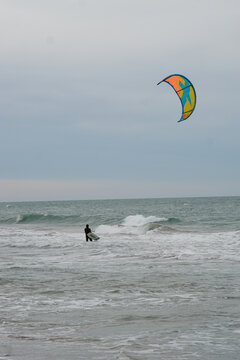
(44, 218)
(137, 225)
(140, 220)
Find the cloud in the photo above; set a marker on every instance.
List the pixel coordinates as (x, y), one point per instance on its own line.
(78, 91)
(43, 190)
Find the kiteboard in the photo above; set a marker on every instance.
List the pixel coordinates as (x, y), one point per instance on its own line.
(93, 236)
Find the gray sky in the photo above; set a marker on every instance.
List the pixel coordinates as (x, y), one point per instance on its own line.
(82, 116)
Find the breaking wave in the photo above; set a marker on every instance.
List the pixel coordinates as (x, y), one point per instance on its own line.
(139, 224)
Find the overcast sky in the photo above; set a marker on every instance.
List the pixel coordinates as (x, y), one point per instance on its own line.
(82, 116)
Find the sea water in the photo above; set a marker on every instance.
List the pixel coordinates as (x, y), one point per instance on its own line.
(161, 283)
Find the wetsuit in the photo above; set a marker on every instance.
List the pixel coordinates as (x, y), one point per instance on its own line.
(87, 231)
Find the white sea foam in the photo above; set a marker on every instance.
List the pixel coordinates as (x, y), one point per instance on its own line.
(133, 224)
(140, 220)
(181, 245)
(21, 237)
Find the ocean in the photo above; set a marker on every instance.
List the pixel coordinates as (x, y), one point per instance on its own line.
(163, 281)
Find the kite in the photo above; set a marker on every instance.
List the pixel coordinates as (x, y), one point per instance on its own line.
(185, 91)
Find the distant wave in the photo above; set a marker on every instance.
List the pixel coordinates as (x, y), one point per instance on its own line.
(36, 218)
(133, 223)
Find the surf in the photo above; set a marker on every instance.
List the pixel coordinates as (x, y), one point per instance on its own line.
(138, 224)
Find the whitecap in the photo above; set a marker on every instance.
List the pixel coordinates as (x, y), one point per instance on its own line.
(140, 220)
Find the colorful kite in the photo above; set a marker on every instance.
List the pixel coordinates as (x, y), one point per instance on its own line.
(185, 91)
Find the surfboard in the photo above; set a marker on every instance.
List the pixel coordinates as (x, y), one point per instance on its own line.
(93, 236)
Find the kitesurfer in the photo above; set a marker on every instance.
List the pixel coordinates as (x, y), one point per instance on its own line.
(87, 231)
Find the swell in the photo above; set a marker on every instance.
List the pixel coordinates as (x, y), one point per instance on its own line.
(139, 224)
(167, 225)
(36, 218)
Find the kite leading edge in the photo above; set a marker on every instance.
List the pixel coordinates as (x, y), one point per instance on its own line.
(185, 91)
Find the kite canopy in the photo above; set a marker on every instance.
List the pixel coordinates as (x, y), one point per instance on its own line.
(185, 91)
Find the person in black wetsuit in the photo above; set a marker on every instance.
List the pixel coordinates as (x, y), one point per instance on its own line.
(87, 231)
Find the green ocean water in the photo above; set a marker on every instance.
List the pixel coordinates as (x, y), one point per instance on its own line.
(204, 214)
